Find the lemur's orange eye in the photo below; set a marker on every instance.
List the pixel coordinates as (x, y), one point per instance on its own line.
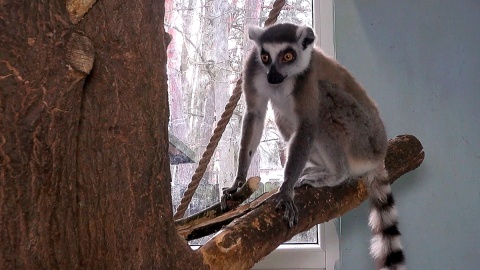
(265, 58)
(287, 57)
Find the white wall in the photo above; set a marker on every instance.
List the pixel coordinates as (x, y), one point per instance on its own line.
(420, 60)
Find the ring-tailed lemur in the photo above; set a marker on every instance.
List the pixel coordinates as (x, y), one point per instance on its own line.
(333, 129)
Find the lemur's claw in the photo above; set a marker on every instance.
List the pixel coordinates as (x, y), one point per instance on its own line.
(227, 195)
(286, 203)
(223, 201)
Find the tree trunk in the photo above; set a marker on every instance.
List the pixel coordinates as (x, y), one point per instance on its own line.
(84, 178)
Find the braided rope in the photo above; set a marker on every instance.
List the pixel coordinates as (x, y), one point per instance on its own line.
(210, 149)
(220, 128)
(273, 15)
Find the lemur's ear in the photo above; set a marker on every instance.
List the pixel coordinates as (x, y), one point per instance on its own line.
(255, 32)
(305, 36)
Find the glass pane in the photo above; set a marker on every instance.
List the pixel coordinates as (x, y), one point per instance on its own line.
(204, 61)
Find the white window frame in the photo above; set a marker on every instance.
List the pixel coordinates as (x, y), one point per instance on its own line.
(321, 256)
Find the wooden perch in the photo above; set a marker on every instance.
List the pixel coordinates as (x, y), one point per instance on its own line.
(243, 242)
(187, 227)
(194, 227)
(207, 221)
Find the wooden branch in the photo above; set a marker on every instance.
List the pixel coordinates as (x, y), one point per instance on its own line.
(187, 227)
(208, 226)
(214, 221)
(244, 241)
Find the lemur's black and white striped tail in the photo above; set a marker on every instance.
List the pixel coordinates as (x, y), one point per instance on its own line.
(385, 247)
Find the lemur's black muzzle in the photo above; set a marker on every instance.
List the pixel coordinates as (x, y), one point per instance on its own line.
(274, 77)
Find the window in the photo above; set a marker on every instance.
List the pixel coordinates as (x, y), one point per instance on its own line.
(204, 60)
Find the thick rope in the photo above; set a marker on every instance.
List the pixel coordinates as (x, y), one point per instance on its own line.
(221, 125)
(210, 149)
(273, 15)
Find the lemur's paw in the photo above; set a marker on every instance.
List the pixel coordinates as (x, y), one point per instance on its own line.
(286, 203)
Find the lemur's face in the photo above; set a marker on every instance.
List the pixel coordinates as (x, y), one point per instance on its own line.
(284, 50)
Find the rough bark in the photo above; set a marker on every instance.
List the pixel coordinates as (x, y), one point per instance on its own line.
(243, 242)
(84, 177)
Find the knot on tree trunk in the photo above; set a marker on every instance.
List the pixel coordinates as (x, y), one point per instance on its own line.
(80, 53)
